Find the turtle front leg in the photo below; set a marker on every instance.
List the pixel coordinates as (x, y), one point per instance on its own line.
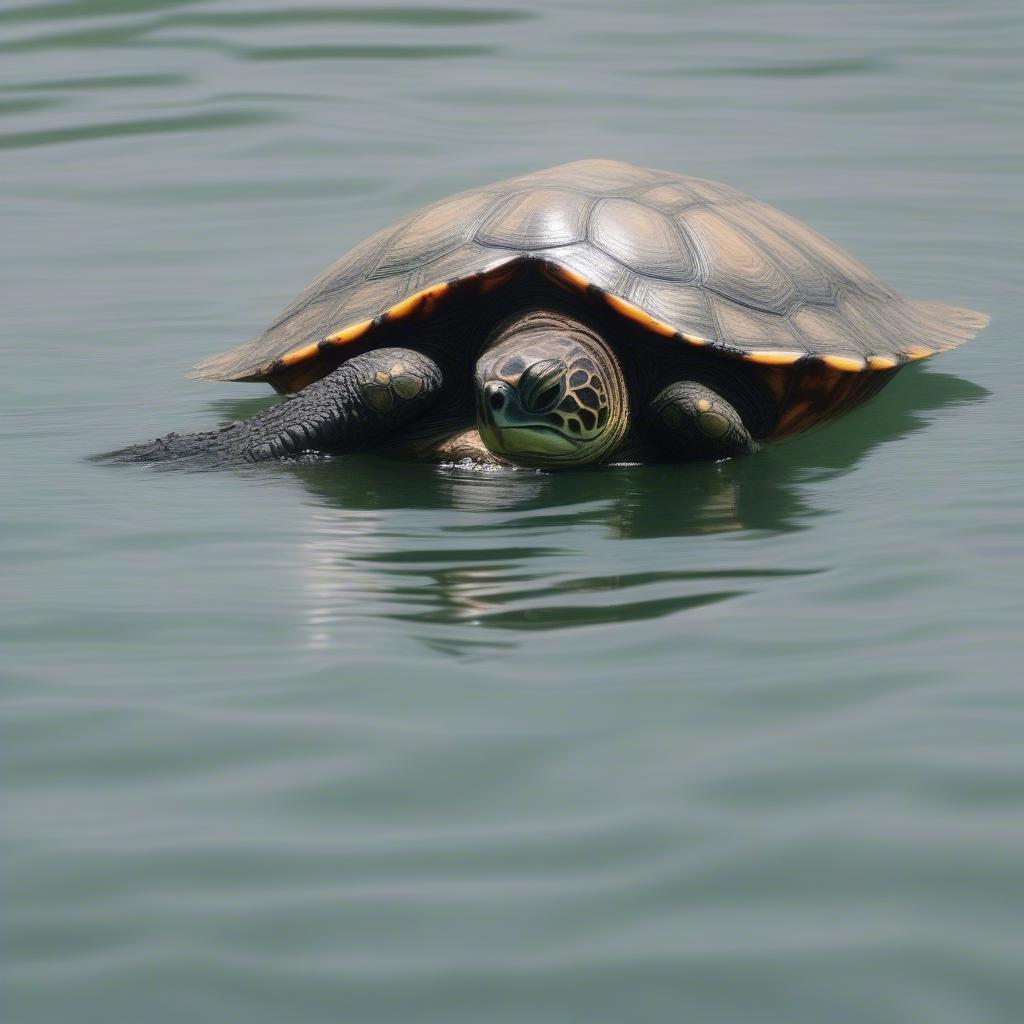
(364, 401)
(693, 421)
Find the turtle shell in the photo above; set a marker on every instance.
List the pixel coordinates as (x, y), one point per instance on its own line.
(690, 259)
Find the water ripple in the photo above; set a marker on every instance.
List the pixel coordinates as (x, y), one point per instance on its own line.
(205, 121)
(363, 52)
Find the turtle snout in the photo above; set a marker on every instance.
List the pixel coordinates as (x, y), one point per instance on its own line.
(497, 395)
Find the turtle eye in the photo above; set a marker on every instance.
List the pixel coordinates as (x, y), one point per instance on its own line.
(542, 384)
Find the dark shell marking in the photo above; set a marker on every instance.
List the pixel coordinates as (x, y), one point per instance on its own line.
(688, 259)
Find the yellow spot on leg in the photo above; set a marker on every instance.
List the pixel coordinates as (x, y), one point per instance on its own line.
(713, 424)
(407, 386)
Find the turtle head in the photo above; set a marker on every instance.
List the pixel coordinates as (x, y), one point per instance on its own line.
(550, 393)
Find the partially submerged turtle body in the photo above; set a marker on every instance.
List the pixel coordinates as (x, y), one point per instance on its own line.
(587, 313)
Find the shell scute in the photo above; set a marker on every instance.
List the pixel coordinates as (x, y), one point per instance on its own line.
(440, 229)
(538, 219)
(595, 266)
(641, 238)
(665, 196)
(676, 305)
(734, 266)
(704, 192)
(741, 327)
(806, 274)
(818, 326)
(841, 269)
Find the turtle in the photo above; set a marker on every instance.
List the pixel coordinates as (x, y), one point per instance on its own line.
(591, 313)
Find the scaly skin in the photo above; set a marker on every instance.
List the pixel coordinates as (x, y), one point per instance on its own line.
(696, 422)
(363, 402)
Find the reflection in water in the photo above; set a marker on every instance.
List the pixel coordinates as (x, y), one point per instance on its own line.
(522, 550)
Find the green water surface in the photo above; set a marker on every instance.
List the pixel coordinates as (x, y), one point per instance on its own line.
(368, 742)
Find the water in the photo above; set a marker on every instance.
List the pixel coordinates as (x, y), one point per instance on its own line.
(373, 742)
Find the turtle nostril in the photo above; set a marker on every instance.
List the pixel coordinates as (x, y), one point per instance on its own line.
(497, 400)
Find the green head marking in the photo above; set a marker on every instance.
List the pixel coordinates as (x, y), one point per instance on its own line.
(550, 393)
